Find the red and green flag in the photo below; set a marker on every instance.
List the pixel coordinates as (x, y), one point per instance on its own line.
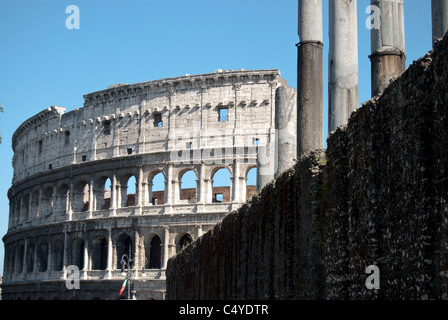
(125, 283)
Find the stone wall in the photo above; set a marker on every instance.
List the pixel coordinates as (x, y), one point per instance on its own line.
(376, 196)
(191, 112)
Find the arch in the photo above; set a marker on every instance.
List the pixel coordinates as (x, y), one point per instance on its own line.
(155, 253)
(184, 242)
(99, 253)
(128, 190)
(221, 185)
(58, 255)
(62, 199)
(30, 257)
(188, 185)
(78, 253)
(20, 258)
(123, 246)
(157, 188)
(102, 192)
(47, 201)
(251, 182)
(81, 196)
(10, 263)
(42, 256)
(25, 207)
(35, 203)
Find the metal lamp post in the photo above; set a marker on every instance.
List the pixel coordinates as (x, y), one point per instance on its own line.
(126, 261)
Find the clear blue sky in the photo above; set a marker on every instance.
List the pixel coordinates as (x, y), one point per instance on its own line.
(42, 63)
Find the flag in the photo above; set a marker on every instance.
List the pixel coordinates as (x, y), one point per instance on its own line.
(125, 283)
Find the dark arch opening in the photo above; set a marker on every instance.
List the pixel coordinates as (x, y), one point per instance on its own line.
(155, 256)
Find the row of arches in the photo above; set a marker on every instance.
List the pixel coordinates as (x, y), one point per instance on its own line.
(108, 191)
(99, 253)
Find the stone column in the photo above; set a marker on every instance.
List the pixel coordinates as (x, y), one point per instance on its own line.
(201, 183)
(139, 203)
(91, 198)
(25, 254)
(113, 194)
(65, 253)
(310, 113)
(71, 200)
(49, 258)
(236, 183)
(109, 252)
(439, 19)
(286, 127)
(343, 62)
(30, 206)
(388, 58)
(166, 241)
(169, 185)
(87, 265)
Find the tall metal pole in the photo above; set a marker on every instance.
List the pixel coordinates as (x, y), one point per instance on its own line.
(310, 133)
(388, 58)
(343, 62)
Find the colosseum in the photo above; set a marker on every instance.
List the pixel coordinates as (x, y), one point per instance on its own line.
(84, 194)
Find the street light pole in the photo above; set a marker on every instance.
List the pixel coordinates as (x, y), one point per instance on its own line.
(126, 263)
(126, 260)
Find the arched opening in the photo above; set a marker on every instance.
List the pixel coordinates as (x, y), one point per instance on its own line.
(81, 197)
(62, 198)
(99, 253)
(188, 186)
(184, 242)
(35, 203)
(58, 255)
(251, 183)
(107, 194)
(102, 190)
(128, 189)
(25, 207)
(42, 255)
(124, 246)
(157, 189)
(20, 258)
(11, 260)
(78, 253)
(221, 186)
(30, 258)
(47, 201)
(155, 253)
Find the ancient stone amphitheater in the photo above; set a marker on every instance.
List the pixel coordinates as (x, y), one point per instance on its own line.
(83, 192)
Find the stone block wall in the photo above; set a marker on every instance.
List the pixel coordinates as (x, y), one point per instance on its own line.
(376, 196)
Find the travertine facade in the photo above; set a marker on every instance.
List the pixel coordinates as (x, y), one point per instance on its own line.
(70, 200)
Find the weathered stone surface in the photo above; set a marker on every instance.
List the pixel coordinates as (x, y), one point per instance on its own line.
(71, 204)
(286, 127)
(377, 196)
(343, 80)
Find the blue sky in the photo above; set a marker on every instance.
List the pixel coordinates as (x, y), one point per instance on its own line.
(42, 63)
